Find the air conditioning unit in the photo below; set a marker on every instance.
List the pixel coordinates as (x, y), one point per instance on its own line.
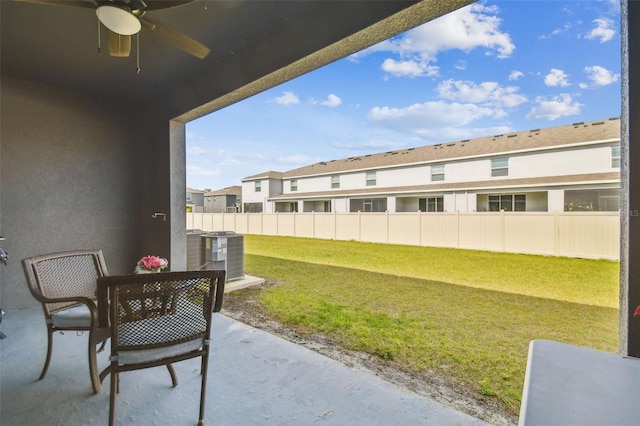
(194, 249)
(223, 250)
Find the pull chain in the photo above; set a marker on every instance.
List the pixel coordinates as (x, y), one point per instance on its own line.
(99, 45)
(138, 53)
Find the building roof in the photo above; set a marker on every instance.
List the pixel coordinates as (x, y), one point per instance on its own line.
(512, 184)
(536, 139)
(265, 175)
(231, 190)
(194, 191)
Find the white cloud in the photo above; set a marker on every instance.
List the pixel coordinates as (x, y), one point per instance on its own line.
(604, 30)
(295, 159)
(600, 76)
(515, 74)
(287, 98)
(195, 150)
(332, 101)
(468, 28)
(202, 171)
(554, 108)
(557, 31)
(488, 93)
(419, 118)
(555, 78)
(433, 122)
(192, 135)
(410, 68)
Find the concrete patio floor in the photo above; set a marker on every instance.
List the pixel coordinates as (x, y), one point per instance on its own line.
(255, 378)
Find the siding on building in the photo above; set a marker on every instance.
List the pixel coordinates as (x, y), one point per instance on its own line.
(537, 165)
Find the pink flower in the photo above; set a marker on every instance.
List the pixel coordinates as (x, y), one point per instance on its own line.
(151, 263)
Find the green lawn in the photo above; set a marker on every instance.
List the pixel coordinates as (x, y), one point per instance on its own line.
(469, 314)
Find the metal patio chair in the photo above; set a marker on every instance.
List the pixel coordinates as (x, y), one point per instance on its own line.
(158, 319)
(65, 284)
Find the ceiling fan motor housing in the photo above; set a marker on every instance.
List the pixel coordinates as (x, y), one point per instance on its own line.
(118, 20)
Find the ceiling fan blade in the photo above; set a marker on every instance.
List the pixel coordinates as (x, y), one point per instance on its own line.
(165, 4)
(176, 38)
(74, 3)
(119, 45)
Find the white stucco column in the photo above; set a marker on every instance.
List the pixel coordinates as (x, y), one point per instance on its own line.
(555, 200)
(391, 204)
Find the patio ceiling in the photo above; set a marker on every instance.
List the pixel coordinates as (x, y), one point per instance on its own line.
(58, 46)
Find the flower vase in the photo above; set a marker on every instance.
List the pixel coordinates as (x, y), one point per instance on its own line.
(140, 270)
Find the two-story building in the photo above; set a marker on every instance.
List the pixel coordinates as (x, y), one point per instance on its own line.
(195, 200)
(572, 167)
(257, 190)
(225, 200)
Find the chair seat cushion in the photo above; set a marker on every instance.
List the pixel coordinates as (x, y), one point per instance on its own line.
(76, 316)
(148, 355)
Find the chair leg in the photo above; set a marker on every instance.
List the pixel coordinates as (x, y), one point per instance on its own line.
(113, 391)
(93, 364)
(174, 376)
(203, 386)
(49, 350)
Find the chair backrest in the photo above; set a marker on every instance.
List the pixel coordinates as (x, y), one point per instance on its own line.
(64, 274)
(149, 311)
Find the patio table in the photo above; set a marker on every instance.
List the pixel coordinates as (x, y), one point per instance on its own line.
(572, 385)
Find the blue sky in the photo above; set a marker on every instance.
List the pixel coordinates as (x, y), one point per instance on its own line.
(489, 68)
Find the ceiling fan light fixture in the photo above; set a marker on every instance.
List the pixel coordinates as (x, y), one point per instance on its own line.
(118, 20)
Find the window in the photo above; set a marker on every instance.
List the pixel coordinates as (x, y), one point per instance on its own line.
(605, 200)
(188, 196)
(615, 157)
(258, 186)
(437, 173)
(368, 205)
(327, 206)
(508, 203)
(431, 204)
(371, 178)
(294, 184)
(252, 207)
(500, 167)
(335, 182)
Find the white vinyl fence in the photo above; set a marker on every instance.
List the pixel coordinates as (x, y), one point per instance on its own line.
(573, 234)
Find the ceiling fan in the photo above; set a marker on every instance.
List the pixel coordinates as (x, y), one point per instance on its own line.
(124, 18)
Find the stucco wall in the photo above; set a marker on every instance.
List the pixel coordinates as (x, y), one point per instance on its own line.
(70, 179)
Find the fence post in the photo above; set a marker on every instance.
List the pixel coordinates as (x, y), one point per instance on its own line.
(556, 232)
(419, 227)
(457, 229)
(502, 231)
(387, 216)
